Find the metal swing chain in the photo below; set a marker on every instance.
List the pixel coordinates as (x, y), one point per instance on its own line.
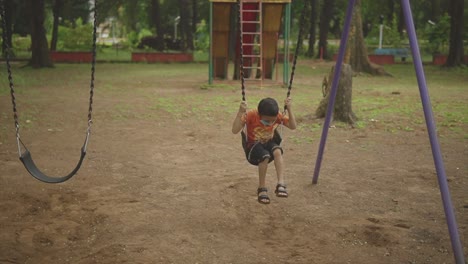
(239, 22)
(296, 52)
(12, 90)
(299, 40)
(93, 69)
(10, 77)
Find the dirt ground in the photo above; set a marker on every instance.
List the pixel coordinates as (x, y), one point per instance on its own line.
(170, 184)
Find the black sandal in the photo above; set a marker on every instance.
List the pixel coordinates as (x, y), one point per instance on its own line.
(263, 198)
(283, 193)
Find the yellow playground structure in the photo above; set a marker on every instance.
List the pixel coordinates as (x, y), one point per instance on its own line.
(259, 22)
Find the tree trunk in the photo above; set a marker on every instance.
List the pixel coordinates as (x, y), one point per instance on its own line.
(325, 18)
(40, 52)
(356, 51)
(131, 10)
(194, 16)
(391, 11)
(313, 26)
(156, 22)
(401, 20)
(435, 10)
(185, 28)
(56, 11)
(8, 32)
(343, 102)
(455, 56)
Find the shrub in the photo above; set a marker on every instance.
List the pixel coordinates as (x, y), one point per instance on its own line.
(391, 35)
(202, 40)
(21, 43)
(438, 35)
(75, 37)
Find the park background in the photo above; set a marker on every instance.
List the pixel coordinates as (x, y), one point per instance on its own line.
(165, 181)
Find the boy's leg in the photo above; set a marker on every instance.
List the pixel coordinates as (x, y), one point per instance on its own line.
(281, 187)
(278, 155)
(262, 170)
(260, 156)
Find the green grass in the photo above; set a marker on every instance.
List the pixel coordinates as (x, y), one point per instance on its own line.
(373, 101)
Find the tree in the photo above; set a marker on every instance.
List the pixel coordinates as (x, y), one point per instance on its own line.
(343, 102)
(7, 35)
(435, 9)
(156, 18)
(74, 9)
(185, 27)
(325, 18)
(455, 56)
(58, 4)
(131, 12)
(356, 51)
(313, 26)
(194, 15)
(40, 51)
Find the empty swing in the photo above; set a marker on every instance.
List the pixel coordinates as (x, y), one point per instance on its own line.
(26, 157)
(277, 136)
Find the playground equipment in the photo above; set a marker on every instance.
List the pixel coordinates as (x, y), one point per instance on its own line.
(260, 26)
(25, 156)
(439, 164)
(277, 135)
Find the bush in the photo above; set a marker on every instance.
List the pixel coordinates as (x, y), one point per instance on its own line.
(75, 37)
(438, 35)
(21, 43)
(134, 38)
(391, 35)
(202, 40)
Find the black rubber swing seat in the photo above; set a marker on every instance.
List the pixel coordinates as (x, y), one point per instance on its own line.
(31, 167)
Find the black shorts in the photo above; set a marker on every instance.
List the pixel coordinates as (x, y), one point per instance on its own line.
(259, 152)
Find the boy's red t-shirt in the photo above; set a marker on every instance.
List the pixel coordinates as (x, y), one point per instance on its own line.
(258, 132)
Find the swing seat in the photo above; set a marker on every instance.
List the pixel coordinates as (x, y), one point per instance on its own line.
(31, 167)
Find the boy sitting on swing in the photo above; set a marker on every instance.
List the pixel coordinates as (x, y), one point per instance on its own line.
(262, 143)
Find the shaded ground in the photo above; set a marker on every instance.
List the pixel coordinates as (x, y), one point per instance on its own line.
(165, 181)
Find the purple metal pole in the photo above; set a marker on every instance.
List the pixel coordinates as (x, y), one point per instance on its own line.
(431, 128)
(334, 88)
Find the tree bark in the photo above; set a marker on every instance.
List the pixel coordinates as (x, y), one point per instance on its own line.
(391, 11)
(313, 26)
(185, 28)
(156, 18)
(40, 51)
(56, 12)
(455, 56)
(435, 10)
(356, 51)
(194, 16)
(325, 18)
(131, 11)
(343, 102)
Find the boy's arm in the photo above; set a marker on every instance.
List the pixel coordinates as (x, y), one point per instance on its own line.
(238, 123)
(292, 119)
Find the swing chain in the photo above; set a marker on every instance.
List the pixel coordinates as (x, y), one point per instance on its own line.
(299, 41)
(296, 52)
(93, 69)
(10, 76)
(239, 23)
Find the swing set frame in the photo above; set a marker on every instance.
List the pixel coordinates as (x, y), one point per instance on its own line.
(429, 117)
